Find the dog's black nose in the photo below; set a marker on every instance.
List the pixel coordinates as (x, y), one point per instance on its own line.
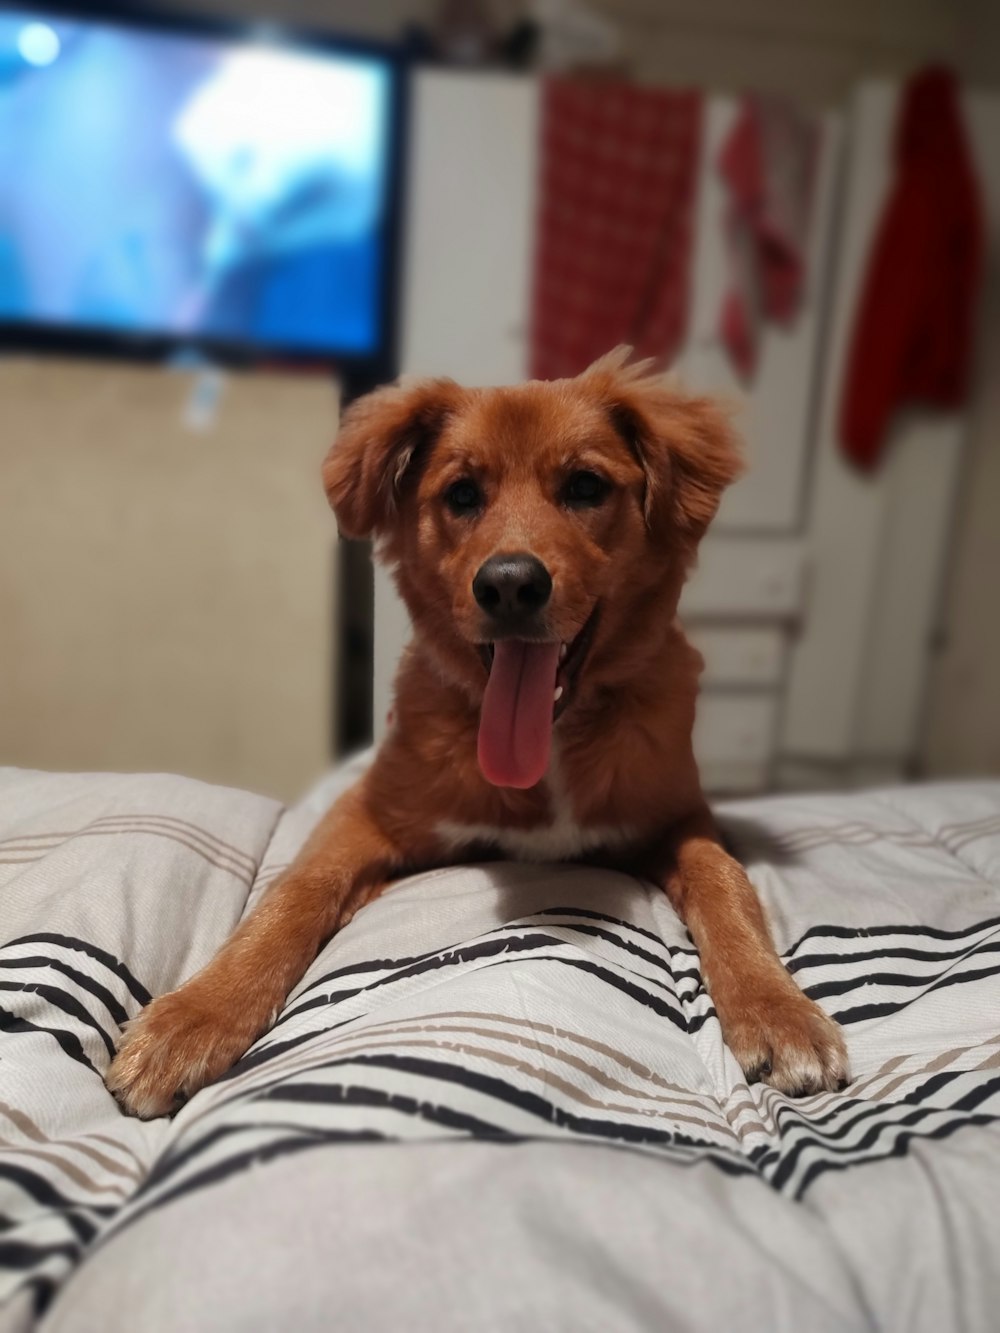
(512, 587)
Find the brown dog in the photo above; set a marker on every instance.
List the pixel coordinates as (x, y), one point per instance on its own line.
(540, 536)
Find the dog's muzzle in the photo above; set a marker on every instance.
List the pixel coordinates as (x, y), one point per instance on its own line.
(512, 589)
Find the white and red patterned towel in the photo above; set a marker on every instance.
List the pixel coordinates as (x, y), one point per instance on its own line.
(768, 163)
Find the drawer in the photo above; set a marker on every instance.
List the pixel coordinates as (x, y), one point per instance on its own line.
(735, 728)
(750, 656)
(746, 577)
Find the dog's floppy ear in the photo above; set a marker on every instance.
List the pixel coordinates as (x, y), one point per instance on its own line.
(685, 445)
(379, 440)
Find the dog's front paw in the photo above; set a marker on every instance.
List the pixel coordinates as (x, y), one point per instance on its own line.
(781, 1037)
(177, 1044)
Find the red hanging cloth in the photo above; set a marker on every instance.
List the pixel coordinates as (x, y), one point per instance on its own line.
(616, 202)
(913, 335)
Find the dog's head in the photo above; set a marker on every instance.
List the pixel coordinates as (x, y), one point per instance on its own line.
(537, 533)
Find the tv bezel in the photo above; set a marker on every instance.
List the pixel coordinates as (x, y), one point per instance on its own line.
(369, 367)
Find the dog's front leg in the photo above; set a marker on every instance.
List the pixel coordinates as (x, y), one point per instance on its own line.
(190, 1036)
(775, 1031)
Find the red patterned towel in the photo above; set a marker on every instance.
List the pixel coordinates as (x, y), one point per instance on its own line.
(613, 250)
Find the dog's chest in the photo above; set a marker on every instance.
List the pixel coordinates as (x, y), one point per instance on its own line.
(562, 837)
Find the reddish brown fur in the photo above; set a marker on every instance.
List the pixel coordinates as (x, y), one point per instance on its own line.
(624, 741)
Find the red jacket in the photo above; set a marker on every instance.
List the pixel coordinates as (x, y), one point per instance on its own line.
(914, 328)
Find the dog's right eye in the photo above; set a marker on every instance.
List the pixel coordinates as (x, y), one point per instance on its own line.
(463, 497)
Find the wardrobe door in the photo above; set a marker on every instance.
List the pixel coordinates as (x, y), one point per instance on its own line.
(748, 587)
(470, 228)
(876, 543)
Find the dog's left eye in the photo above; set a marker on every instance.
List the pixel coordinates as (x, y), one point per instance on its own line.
(585, 488)
(462, 497)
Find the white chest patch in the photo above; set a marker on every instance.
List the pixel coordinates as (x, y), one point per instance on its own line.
(561, 839)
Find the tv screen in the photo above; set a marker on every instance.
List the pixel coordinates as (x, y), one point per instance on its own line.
(195, 187)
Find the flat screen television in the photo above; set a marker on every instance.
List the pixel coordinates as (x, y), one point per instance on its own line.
(171, 184)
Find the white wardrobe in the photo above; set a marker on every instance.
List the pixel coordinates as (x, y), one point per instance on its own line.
(877, 547)
(800, 591)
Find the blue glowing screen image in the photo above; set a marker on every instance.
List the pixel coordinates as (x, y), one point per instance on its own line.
(188, 185)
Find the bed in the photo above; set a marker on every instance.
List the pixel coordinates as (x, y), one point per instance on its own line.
(499, 1099)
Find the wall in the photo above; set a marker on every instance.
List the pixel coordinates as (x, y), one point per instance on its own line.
(814, 50)
(371, 18)
(811, 50)
(165, 593)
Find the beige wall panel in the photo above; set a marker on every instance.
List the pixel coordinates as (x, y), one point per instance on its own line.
(165, 593)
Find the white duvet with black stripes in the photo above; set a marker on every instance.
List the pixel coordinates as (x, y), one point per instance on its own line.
(499, 1100)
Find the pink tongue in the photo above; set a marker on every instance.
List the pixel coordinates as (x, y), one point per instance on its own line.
(515, 725)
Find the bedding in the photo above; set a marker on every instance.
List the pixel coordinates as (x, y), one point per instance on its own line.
(499, 1098)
